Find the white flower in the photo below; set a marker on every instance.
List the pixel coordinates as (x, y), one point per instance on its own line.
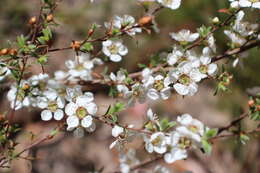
(172, 4)
(156, 143)
(136, 93)
(250, 3)
(40, 79)
(174, 155)
(211, 43)
(243, 28)
(186, 79)
(158, 85)
(81, 111)
(4, 71)
(117, 130)
(73, 93)
(114, 50)
(174, 56)
(179, 143)
(203, 66)
(19, 98)
(184, 36)
(126, 22)
(52, 105)
(236, 39)
(81, 67)
(190, 127)
(119, 77)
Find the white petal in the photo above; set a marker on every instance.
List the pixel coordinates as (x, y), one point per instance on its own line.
(46, 115)
(123, 50)
(87, 121)
(85, 99)
(212, 69)
(153, 94)
(115, 58)
(72, 121)
(245, 3)
(181, 89)
(117, 130)
(71, 108)
(174, 155)
(91, 108)
(165, 93)
(58, 114)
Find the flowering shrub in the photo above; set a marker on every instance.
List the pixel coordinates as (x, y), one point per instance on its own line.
(192, 58)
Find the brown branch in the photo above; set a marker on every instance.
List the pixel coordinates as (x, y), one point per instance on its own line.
(214, 29)
(235, 134)
(232, 123)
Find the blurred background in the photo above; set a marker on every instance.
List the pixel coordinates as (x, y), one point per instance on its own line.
(67, 154)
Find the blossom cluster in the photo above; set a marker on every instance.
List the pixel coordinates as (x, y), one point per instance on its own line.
(173, 145)
(55, 99)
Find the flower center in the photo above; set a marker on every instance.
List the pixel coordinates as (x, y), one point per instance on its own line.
(80, 67)
(253, 1)
(42, 85)
(193, 128)
(158, 85)
(113, 49)
(203, 69)
(20, 95)
(182, 59)
(157, 141)
(184, 143)
(52, 106)
(167, 2)
(81, 112)
(184, 79)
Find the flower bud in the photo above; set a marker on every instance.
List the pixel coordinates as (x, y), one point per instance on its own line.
(145, 20)
(32, 20)
(258, 107)
(215, 20)
(90, 32)
(75, 45)
(13, 52)
(49, 18)
(4, 51)
(251, 103)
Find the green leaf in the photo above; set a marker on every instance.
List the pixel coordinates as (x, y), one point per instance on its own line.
(87, 47)
(118, 107)
(211, 133)
(206, 146)
(47, 33)
(43, 60)
(21, 41)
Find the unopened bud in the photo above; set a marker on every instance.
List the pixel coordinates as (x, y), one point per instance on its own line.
(49, 18)
(251, 103)
(215, 20)
(90, 32)
(26, 86)
(75, 45)
(145, 20)
(13, 52)
(32, 21)
(4, 51)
